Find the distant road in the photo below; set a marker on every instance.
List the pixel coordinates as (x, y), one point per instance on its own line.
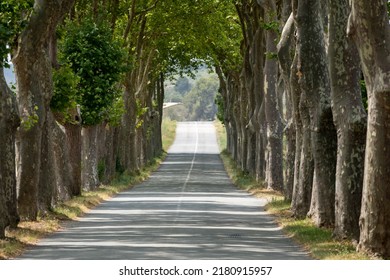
(171, 104)
(188, 209)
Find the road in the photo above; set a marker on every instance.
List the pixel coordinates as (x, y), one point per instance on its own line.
(188, 209)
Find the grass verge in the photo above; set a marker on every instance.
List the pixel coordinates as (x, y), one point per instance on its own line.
(168, 129)
(317, 241)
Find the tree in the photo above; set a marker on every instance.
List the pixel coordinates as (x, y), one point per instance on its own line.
(96, 59)
(350, 120)
(182, 85)
(9, 121)
(369, 27)
(315, 85)
(272, 108)
(200, 100)
(285, 49)
(34, 89)
(12, 22)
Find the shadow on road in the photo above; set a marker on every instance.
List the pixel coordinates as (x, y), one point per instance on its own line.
(188, 209)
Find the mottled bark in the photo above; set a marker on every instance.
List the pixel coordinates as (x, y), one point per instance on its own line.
(9, 121)
(315, 85)
(369, 27)
(34, 87)
(127, 151)
(273, 118)
(233, 94)
(73, 140)
(89, 174)
(304, 165)
(47, 172)
(258, 88)
(284, 48)
(55, 176)
(350, 120)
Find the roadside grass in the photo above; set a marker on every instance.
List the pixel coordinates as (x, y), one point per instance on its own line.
(221, 135)
(168, 128)
(28, 233)
(319, 242)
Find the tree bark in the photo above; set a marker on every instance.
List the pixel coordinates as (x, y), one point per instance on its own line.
(304, 165)
(315, 85)
(89, 177)
(284, 54)
(272, 110)
(9, 122)
(350, 120)
(55, 176)
(369, 26)
(34, 87)
(73, 140)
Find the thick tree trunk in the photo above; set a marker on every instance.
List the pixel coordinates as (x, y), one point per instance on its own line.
(9, 121)
(73, 140)
(315, 85)
(127, 152)
(47, 172)
(55, 177)
(369, 26)
(109, 158)
(89, 176)
(272, 110)
(304, 165)
(350, 120)
(284, 54)
(243, 121)
(34, 87)
(33, 103)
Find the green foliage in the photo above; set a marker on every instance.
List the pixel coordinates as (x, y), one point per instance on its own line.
(272, 25)
(221, 108)
(388, 8)
(65, 89)
(98, 60)
(271, 55)
(31, 120)
(141, 111)
(116, 111)
(182, 85)
(13, 19)
(200, 100)
(203, 32)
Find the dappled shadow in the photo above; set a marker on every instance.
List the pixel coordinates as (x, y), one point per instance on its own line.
(188, 209)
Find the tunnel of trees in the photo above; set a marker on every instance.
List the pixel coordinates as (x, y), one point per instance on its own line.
(304, 93)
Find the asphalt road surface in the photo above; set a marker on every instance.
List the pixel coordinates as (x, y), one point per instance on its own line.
(188, 209)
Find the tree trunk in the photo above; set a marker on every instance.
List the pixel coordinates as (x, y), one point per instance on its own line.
(284, 54)
(34, 87)
(350, 120)
(369, 26)
(315, 85)
(55, 176)
(47, 172)
(73, 140)
(9, 121)
(304, 165)
(272, 110)
(89, 177)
